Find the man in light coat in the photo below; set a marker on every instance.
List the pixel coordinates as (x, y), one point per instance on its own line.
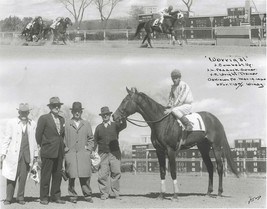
(19, 151)
(79, 143)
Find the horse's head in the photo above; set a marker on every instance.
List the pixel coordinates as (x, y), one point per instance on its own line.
(68, 21)
(128, 105)
(39, 20)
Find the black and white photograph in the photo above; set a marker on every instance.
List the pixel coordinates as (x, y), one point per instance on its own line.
(132, 104)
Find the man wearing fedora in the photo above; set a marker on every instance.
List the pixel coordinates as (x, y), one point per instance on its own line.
(79, 144)
(19, 151)
(50, 138)
(106, 138)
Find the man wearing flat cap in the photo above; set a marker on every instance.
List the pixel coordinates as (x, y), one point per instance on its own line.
(79, 144)
(19, 151)
(50, 137)
(180, 100)
(106, 138)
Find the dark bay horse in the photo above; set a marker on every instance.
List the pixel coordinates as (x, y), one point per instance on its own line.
(166, 135)
(172, 25)
(59, 33)
(33, 31)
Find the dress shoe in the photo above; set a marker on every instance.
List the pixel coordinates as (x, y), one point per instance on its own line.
(103, 197)
(89, 199)
(21, 202)
(59, 201)
(73, 200)
(7, 202)
(44, 202)
(118, 197)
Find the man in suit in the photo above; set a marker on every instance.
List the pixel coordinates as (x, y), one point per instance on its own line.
(19, 151)
(106, 138)
(50, 137)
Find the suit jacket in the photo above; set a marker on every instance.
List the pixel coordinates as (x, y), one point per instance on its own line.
(47, 136)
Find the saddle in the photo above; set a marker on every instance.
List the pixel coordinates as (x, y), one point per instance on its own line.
(197, 123)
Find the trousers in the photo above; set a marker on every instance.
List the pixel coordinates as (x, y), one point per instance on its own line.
(51, 167)
(21, 177)
(109, 174)
(85, 186)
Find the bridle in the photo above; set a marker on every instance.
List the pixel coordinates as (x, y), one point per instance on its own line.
(132, 121)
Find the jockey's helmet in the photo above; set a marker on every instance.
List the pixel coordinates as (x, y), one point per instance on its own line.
(176, 74)
(170, 8)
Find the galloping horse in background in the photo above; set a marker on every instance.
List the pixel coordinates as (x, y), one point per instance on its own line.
(59, 33)
(166, 135)
(33, 31)
(173, 25)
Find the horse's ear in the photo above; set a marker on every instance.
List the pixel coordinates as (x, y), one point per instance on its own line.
(132, 91)
(129, 91)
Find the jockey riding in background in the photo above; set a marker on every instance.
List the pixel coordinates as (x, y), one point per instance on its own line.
(56, 22)
(164, 12)
(30, 24)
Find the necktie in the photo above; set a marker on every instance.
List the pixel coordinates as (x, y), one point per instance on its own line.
(57, 124)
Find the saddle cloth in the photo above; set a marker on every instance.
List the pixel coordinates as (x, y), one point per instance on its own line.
(156, 22)
(196, 121)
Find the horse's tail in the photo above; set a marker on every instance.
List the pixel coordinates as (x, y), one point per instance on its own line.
(228, 155)
(139, 27)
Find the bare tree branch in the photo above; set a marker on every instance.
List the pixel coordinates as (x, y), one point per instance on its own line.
(188, 4)
(76, 8)
(106, 6)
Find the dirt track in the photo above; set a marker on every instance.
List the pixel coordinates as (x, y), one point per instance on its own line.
(112, 49)
(141, 191)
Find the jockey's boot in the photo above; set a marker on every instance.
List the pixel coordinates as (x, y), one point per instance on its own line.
(160, 27)
(186, 123)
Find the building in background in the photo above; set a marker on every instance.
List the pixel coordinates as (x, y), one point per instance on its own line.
(249, 155)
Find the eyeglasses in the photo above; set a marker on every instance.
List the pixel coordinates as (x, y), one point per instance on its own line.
(104, 115)
(56, 106)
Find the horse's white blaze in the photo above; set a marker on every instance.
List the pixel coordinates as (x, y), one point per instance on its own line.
(163, 186)
(175, 186)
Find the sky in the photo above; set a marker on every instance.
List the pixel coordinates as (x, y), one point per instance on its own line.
(51, 9)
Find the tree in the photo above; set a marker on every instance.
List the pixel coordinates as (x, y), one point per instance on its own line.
(188, 4)
(135, 11)
(11, 24)
(105, 6)
(76, 8)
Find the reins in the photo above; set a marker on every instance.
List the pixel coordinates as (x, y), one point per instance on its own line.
(141, 121)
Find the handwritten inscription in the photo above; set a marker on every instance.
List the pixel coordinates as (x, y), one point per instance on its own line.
(252, 199)
(236, 72)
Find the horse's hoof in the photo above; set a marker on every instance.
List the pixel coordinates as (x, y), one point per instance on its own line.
(175, 198)
(220, 194)
(161, 196)
(209, 193)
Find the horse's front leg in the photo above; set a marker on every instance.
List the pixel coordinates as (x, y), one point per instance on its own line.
(172, 163)
(162, 168)
(173, 40)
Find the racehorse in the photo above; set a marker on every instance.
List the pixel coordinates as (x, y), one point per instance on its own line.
(172, 25)
(166, 134)
(33, 31)
(59, 33)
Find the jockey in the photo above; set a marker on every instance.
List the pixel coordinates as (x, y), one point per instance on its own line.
(56, 22)
(180, 100)
(164, 12)
(30, 24)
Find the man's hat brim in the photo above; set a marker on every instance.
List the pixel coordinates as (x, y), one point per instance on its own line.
(109, 113)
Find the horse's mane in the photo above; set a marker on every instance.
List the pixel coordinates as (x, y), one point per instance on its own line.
(154, 105)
